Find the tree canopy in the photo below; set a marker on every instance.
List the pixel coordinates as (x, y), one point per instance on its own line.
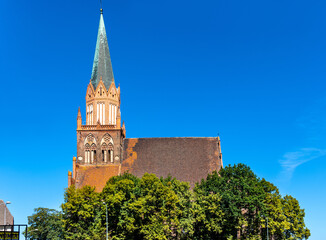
(230, 204)
(45, 224)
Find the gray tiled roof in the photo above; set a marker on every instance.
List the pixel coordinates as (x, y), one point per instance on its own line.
(9, 217)
(102, 66)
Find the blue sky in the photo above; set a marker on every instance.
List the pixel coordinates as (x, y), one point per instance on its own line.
(252, 71)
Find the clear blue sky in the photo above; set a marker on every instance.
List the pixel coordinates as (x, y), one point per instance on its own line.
(253, 71)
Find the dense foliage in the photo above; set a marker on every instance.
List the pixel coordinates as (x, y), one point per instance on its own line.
(45, 224)
(231, 204)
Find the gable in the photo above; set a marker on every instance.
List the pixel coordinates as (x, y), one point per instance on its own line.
(100, 91)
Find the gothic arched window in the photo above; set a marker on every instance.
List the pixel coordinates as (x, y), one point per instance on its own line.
(90, 149)
(107, 148)
(87, 153)
(93, 153)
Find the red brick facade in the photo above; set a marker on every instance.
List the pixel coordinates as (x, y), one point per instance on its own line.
(104, 151)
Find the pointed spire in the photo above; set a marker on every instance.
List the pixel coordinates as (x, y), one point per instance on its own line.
(79, 119)
(79, 114)
(102, 66)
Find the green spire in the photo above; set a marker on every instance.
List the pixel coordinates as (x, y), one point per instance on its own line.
(102, 66)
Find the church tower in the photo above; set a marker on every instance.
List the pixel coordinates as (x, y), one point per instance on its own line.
(100, 139)
(103, 151)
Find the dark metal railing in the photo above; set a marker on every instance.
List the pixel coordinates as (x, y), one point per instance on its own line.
(12, 232)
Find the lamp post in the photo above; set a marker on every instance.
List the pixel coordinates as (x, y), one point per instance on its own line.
(266, 225)
(4, 215)
(106, 219)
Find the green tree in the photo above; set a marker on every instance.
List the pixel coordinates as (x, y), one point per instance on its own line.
(226, 205)
(118, 192)
(45, 224)
(156, 209)
(296, 228)
(285, 217)
(81, 214)
(208, 214)
(186, 201)
(274, 212)
(242, 200)
(147, 208)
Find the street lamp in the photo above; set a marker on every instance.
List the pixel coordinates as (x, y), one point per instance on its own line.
(4, 216)
(266, 225)
(5, 213)
(107, 233)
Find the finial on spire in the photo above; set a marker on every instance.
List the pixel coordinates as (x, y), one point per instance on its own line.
(101, 10)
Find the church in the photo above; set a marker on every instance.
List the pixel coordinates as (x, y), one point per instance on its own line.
(104, 151)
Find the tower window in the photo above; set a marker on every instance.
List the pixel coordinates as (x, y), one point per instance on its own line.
(107, 148)
(104, 155)
(111, 156)
(87, 156)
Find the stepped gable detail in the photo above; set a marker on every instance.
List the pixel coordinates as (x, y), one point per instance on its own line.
(104, 151)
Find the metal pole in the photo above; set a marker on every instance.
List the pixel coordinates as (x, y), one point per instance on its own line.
(4, 216)
(107, 233)
(106, 220)
(267, 227)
